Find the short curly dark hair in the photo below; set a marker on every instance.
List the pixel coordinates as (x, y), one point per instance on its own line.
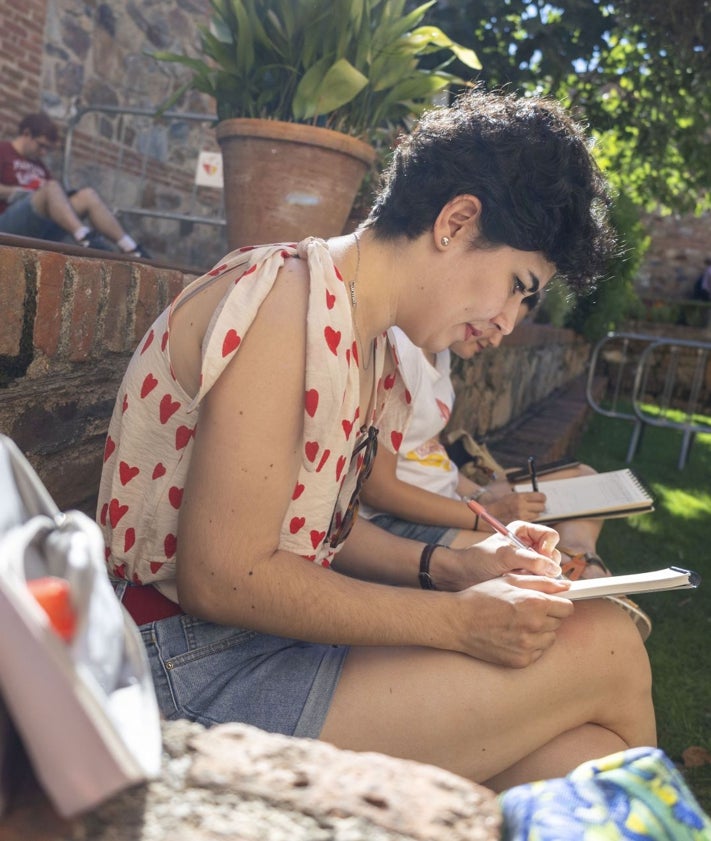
(526, 159)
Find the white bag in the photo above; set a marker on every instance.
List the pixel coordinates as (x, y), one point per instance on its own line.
(85, 709)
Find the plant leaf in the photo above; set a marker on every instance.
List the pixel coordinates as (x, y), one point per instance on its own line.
(320, 92)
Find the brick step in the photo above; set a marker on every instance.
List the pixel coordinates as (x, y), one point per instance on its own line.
(548, 431)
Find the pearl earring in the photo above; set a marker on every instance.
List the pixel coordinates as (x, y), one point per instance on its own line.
(445, 241)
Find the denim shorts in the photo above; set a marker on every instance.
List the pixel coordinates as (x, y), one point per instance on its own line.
(21, 219)
(213, 674)
(415, 531)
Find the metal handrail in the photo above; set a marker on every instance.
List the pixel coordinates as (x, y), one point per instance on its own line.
(216, 220)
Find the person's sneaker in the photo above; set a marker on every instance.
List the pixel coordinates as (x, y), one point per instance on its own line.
(140, 251)
(95, 240)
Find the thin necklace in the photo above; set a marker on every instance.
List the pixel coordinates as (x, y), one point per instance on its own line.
(354, 305)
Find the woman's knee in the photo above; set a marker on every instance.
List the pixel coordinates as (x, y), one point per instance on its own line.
(611, 644)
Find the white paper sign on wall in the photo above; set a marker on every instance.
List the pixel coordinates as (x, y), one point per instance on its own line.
(209, 170)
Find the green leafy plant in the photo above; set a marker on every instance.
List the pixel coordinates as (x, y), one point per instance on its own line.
(349, 65)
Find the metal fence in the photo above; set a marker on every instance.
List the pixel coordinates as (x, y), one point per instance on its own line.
(653, 381)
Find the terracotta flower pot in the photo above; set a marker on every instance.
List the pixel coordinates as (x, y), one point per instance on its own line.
(285, 181)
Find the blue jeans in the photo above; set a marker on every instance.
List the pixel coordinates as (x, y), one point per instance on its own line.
(415, 531)
(21, 219)
(216, 673)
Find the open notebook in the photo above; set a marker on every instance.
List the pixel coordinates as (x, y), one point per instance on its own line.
(616, 493)
(671, 578)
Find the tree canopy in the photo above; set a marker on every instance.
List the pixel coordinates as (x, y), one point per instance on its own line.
(637, 71)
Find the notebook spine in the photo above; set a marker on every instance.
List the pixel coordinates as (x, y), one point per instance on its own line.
(641, 484)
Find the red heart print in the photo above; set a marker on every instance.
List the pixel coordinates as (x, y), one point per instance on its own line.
(170, 544)
(129, 539)
(354, 349)
(147, 343)
(250, 270)
(183, 434)
(168, 407)
(311, 449)
(347, 427)
(348, 356)
(333, 339)
(298, 490)
(125, 403)
(120, 570)
(116, 511)
(324, 458)
(330, 299)
(109, 447)
(230, 343)
(317, 537)
(217, 270)
(126, 472)
(158, 470)
(311, 401)
(155, 566)
(296, 524)
(136, 580)
(175, 496)
(408, 397)
(396, 439)
(338, 274)
(164, 341)
(339, 467)
(389, 381)
(104, 512)
(149, 383)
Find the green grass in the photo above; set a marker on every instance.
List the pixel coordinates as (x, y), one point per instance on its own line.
(678, 532)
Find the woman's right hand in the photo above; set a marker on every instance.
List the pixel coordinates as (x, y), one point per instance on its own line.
(512, 620)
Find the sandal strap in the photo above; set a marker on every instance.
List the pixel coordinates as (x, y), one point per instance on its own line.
(574, 567)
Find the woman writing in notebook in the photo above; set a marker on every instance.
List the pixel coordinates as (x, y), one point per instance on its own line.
(419, 492)
(245, 427)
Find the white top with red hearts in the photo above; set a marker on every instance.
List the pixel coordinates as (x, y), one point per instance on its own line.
(150, 437)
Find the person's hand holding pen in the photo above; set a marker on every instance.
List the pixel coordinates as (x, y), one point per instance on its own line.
(527, 549)
(507, 506)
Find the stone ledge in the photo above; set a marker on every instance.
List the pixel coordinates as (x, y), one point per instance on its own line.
(239, 782)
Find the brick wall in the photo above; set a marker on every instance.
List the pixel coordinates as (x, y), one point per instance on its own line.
(69, 325)
(21, 56)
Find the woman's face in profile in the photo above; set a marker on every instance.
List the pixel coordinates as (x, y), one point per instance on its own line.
(480, 295)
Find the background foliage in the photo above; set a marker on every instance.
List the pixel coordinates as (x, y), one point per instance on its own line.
(639, 73)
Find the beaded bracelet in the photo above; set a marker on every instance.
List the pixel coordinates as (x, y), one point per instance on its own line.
(424, 576)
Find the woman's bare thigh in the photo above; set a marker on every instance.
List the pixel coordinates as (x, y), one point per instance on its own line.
(477, 719)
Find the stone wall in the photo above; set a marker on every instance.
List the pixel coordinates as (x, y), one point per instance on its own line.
(679, 247)
(499, 385)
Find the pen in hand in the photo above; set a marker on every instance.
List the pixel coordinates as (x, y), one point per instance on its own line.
(532, 473)
(497, 525)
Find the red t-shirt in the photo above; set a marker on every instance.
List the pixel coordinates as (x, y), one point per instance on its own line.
(18, 171)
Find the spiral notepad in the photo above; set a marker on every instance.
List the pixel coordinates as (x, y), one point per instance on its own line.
(616, 493)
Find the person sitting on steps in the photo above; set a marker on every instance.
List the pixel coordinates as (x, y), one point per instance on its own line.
(244, 429)
(34, 204)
